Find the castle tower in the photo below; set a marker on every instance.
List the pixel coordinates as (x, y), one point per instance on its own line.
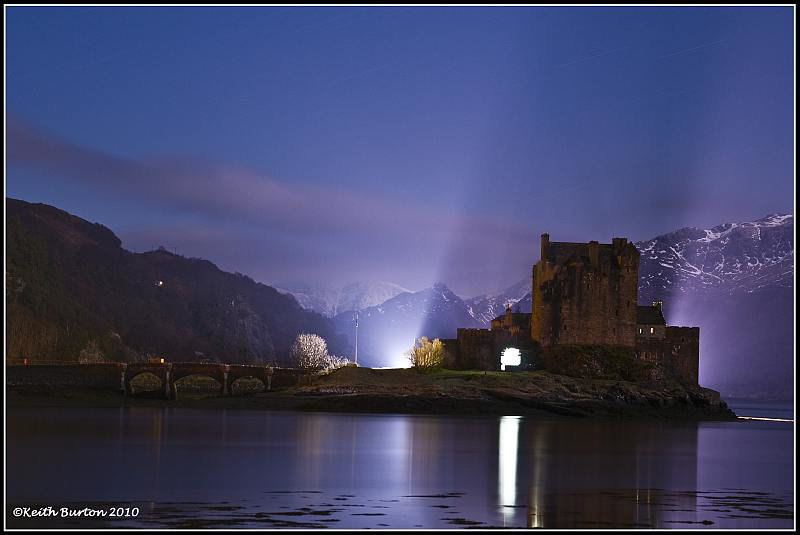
(585, 293)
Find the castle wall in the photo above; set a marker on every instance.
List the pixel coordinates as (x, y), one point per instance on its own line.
(451, 353)
(683, 353)
(658, 332)
(677, 353)
(585, 294)
(476, 350)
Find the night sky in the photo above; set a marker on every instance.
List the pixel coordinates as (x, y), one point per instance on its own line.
(412, 145)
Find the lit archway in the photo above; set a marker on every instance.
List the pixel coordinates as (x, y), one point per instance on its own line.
(510, 357)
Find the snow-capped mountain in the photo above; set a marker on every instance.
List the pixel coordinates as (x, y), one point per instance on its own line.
(360, 295)
(320, 299)
(329, 300)
(484, 308)
(388, 330)
(729, 258)
(734, 281)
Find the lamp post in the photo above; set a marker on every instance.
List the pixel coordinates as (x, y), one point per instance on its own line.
(356, 320)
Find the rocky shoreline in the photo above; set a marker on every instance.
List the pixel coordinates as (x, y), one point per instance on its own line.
(441, 392)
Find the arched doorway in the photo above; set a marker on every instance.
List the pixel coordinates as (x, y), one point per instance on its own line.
(511, 356)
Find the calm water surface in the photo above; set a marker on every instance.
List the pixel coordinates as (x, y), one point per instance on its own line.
(234, 468)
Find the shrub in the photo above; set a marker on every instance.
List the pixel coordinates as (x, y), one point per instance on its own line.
(427, 354)
(332, 362)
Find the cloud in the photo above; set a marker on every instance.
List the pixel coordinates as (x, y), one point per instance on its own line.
(212, 194)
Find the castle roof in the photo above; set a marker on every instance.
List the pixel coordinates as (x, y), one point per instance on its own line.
(649, 315)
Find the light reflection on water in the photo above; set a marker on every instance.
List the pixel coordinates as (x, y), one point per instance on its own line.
(402, 471)
(507, 472)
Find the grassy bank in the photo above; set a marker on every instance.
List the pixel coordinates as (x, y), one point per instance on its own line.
(440, 392)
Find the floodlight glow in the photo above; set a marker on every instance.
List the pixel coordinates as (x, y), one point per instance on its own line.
(510, 357)
(402, 361)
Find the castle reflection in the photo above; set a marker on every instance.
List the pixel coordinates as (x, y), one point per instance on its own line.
(408, 471)
(545, 473)
(604, 474)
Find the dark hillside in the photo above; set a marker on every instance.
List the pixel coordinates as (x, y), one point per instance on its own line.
(72, 290)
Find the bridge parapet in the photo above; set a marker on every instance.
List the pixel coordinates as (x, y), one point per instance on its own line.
(102, 376)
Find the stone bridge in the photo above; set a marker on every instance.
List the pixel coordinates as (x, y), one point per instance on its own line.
(118, 376)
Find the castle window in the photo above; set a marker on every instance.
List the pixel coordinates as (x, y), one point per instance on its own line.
(640, 330)
(652, 330)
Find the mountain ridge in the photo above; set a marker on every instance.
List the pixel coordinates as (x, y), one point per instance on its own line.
(730, 257)
(330, 301)
(73, 289)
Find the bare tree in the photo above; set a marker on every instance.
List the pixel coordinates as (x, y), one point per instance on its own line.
(309, 352)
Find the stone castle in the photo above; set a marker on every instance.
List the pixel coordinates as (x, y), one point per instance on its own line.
(583, 294)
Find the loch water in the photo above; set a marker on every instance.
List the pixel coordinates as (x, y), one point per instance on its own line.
(192, 468)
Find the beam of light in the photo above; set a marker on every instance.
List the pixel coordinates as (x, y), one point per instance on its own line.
(507, 469)
(765, 419)
(510, 357)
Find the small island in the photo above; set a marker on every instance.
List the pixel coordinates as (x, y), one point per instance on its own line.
(353, 389)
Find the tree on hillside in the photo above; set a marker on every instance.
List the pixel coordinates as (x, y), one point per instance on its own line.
(309, 352)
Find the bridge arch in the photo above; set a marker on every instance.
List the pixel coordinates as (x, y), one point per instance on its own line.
(182, 370)
(135, 379)
(189, 383)
(263, 374)
(236, 385)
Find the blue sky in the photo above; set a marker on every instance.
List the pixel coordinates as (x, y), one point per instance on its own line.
(407, 144)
